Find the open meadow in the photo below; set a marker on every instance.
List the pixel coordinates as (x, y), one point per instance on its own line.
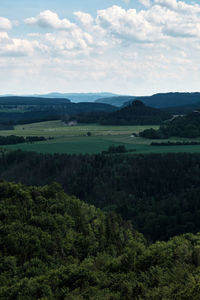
(89, 138)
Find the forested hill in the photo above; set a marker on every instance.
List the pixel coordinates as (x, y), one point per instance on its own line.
(183, 109)
(55, 247)
(116, 100)
(19, 100)
(158, 193)
(162, 100)
(187, 126)
(28, 110)
(135, 113)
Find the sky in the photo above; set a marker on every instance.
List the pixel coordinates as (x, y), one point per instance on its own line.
(133, 47)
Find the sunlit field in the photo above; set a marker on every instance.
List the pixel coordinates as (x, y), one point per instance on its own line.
(75, 139)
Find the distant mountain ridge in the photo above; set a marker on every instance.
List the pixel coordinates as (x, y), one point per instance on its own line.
(160, 100)
(78, 97)
(163, 100)
(116, 100)
(73, 97)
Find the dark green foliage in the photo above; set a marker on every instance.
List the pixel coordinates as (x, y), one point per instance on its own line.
(158, 193)
(162, 100)
(183, 126)
(135, 113)
(14, 139)
(89, 117)
(184, 109)
(26, 100)
(117, 149)
(40, 109)
(6, 127)
(169, 143)
(55, 247)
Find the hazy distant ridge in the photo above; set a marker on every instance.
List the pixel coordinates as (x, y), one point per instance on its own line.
(160, 100)
(78, 97)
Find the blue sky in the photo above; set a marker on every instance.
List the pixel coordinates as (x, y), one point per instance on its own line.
(135, 47)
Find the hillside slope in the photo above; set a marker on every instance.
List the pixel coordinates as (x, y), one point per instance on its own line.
(187, 126)
(116, 100)
(56, 247)
(158, 193)
(19, 110)
(162, 100)
(19, 100)
(135, 113)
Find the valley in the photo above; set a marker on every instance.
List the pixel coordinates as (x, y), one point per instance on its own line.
(75, 139)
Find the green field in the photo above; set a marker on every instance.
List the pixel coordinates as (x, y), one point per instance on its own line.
(74, 139)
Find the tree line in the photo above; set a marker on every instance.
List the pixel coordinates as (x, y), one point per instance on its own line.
(15, 139)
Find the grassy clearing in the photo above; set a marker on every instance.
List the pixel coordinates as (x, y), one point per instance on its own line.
(75, 140)
(58, 129)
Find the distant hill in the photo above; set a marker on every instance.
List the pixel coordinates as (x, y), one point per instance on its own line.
(78, 97)
(162, 100)
(26, 100)
(135, 114)
(183, 109)
(19, 110)
(116, 100)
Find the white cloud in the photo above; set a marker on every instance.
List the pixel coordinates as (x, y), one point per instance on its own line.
(120, 49)
(127, 25)
(146, 3)
(49, 19)
(171, 4)
(14, 47)
(5, 24)
(84, 18)
(179, 6)
(168, 18)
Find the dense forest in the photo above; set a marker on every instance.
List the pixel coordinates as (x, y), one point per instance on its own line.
(162, 100)
(182, 126)
(135, 113)
(159, 193)
(27, 100)
(183, 109)
(22, 110)
(55, 247)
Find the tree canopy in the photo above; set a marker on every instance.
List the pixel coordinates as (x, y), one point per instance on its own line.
(55, 247)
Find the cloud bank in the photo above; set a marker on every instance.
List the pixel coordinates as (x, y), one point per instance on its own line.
(124, 49)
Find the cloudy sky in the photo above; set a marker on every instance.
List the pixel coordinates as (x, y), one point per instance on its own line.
(136, 47)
